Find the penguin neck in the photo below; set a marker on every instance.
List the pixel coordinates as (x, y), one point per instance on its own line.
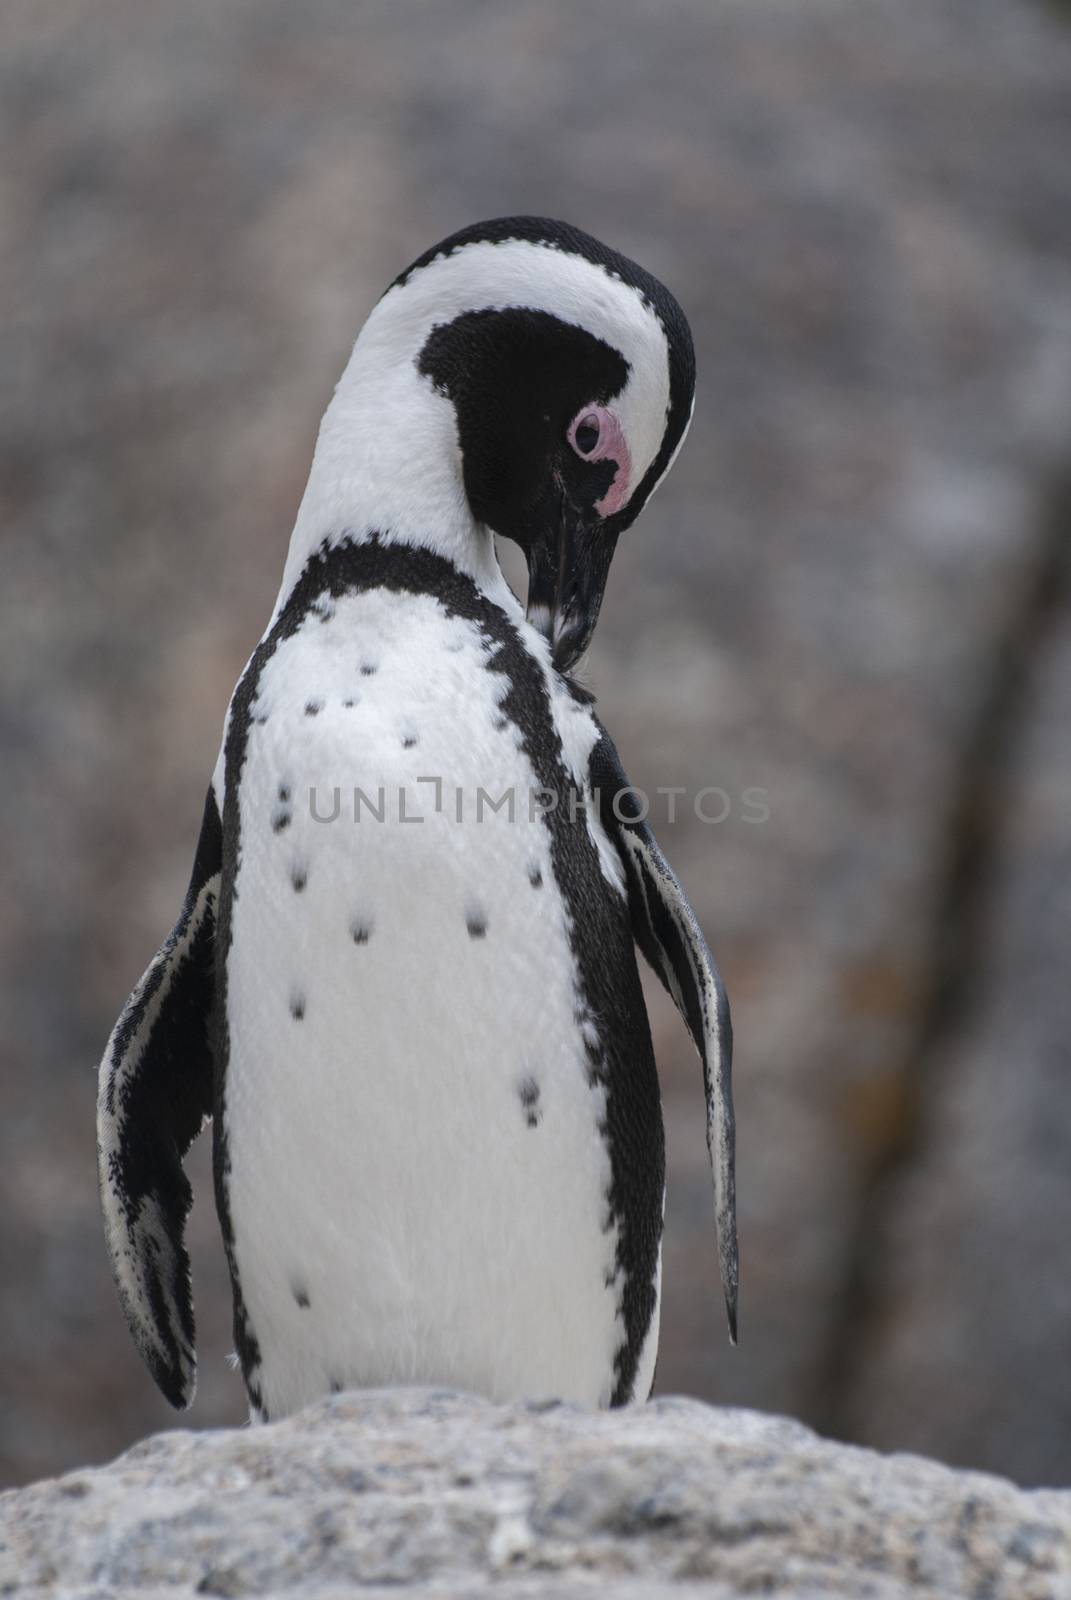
(387, 465)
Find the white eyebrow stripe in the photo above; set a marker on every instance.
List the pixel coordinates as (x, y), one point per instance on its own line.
(519, 273)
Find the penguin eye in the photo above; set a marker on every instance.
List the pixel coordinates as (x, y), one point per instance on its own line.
(585, 433)
(596, 435)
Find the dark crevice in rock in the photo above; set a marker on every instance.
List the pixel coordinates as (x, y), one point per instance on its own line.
(975, 826)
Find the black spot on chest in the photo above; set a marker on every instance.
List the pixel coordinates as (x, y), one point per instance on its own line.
(529, 1095)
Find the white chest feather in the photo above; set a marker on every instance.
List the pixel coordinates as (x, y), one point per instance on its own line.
(413, 1137)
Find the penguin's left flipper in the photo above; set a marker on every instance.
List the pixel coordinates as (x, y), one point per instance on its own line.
(156, 1083)
(666, 930)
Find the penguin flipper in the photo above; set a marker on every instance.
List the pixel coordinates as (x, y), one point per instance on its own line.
(665, 928)
(155, 1091)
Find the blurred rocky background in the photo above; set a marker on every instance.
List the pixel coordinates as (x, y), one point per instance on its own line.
(852, 594)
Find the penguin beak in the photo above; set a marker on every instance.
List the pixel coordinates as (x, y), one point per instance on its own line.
(567, 571)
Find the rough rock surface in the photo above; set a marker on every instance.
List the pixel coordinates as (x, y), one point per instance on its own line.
(417, 1491)
(865, 206)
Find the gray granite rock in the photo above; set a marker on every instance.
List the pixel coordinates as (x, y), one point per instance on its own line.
(422, 1492)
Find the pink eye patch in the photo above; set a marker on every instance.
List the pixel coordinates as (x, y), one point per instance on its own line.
(596, 435)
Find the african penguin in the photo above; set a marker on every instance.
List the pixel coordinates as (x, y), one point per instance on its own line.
(404, 980)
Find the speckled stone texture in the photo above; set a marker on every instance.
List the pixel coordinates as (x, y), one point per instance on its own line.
(423, 1492)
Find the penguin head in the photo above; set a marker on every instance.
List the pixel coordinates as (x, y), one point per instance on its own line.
(567, 376)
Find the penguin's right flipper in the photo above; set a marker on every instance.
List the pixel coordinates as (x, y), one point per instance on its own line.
(666, 930)
(156, 1082)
